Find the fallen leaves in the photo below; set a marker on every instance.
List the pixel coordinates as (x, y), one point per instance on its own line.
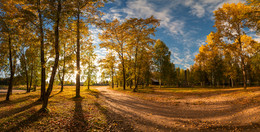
(64, 116)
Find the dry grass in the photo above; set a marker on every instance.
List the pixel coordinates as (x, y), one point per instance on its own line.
(66, 112)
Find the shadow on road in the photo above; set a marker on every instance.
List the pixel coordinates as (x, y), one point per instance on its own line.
(153, 115)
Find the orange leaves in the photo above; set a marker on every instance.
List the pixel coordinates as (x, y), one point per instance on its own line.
(249, 46)
(231, 19)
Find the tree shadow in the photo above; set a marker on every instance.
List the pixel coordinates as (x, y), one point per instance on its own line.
(176, 113)
(179, 112)
(55, 94)
(2, 94)
(115, 121)
(18, 110)
(93, 93)
(18, 100)
(33, 118)
(78, 123)
(249, 127)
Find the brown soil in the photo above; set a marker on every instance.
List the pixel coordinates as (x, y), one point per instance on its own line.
(217, 111)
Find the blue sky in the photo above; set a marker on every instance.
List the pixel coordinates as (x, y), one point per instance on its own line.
(183, 27)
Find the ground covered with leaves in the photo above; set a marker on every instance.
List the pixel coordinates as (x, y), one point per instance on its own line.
(66, 112)
(195, 95)
(149, 109)
(187, 109)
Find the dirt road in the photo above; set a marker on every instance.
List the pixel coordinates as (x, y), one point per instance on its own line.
(131, 113)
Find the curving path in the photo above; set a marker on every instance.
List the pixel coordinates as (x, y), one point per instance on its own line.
(142, 115)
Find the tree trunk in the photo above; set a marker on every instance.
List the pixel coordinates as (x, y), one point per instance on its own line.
(50, 87)
(136, 80)
(35, 84)
(124, 76)
(31, 79)
(88, 79)
(63, 69)
(160, 81)
(232, 83)
(244, 74)
(10, 87)
(26, 73)
(78, 54)
(43, 77)
(242, 63)
(112, 77)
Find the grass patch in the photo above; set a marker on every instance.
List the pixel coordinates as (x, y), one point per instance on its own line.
(66, 112)
(188, 90)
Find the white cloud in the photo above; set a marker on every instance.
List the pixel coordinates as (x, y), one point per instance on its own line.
(200, 8)
(172, 23)
(255, 37)
(183, 58)
(197, 10)
(145, 9)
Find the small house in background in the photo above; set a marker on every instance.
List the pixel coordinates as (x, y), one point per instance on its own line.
(154, 81)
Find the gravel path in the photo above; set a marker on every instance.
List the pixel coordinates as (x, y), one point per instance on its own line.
(131, 113)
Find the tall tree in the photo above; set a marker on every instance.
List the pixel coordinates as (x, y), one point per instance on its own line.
(42, 47)
(114, 38)
(161, 60)
(108, 64)
(231, 22)
(140, 41)
(78, 50)
(210, 58)
(56, 7)
(86, 12)
(9, 19)
(89, 61)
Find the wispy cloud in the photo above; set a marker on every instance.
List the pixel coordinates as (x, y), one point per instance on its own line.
(176, 20)
(145, 9)
(182, 57)
(201, 8)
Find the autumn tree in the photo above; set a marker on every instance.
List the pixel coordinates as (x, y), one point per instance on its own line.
(35, 13)
(171, 77)
(89, 62)
(139, 32)
(40, 19)
(254, 15)
(9, 19)
(232, 22)
(131, 41)
(85, 12)
(114, 38)
(67, 40)
(55, 8)
(231, 66)
(210, 58)
(108, 65)
(161, 60)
